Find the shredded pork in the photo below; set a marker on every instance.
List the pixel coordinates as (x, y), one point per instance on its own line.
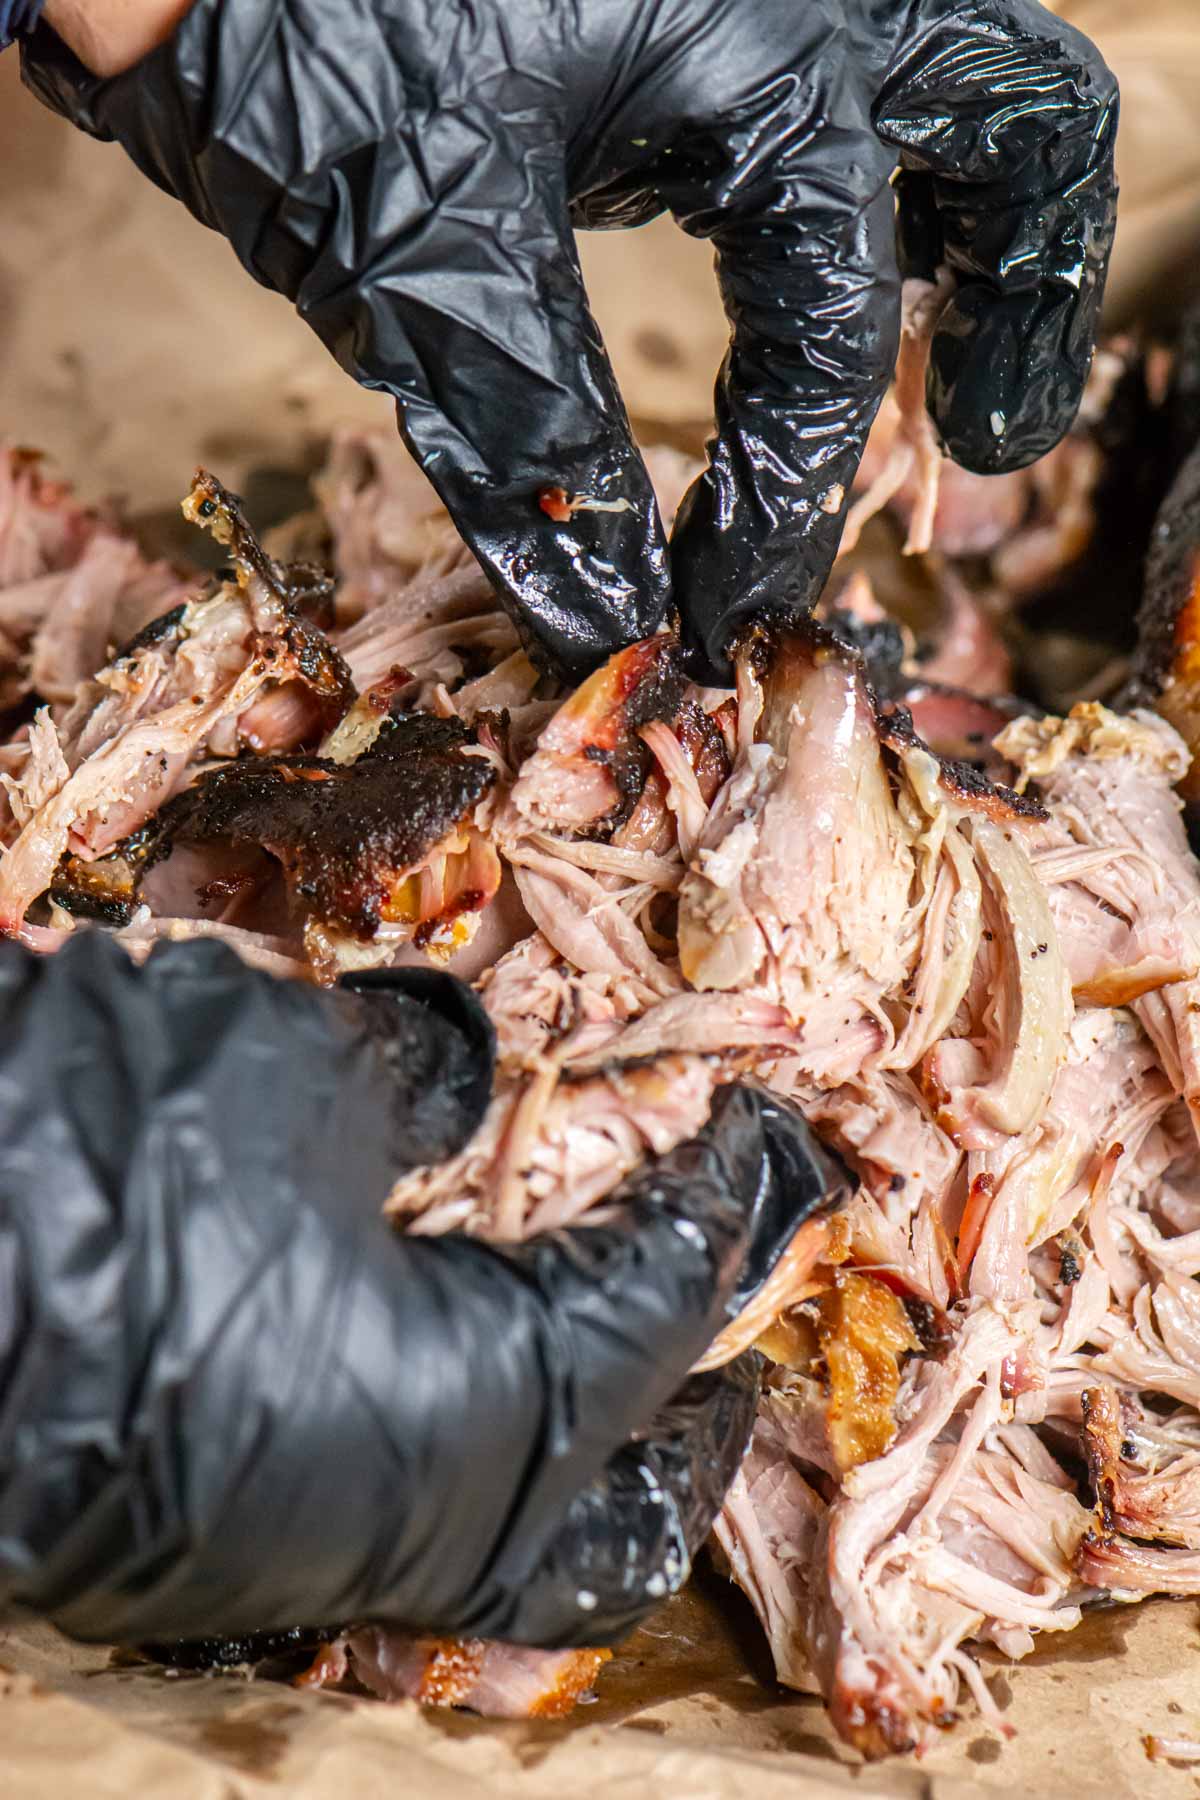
(982, 1404)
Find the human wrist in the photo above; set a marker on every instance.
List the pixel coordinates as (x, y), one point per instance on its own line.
(110, 36)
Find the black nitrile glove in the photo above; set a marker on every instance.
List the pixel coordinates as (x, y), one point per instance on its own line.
(17, 19)
(232, 1398)
(410, 174)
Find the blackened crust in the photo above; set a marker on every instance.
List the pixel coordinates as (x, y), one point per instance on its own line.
(322, 669)
(931, 1325)
(107, 888)
(961, 780)
(654, 690)
(659, 696)
(85, 903)
(778, 646)
(880, 643)
(156, 632)
(1001, 803)
(311, 591)
(212, 506)
(781, 651)
(343, 833)
(1169, 619)
(304, 592)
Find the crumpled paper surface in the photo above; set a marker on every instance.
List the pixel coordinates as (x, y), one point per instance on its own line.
(680, 1714)
(131, 347)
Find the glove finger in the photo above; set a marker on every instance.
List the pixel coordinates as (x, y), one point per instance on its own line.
(191, 1155)
(616, 205)
(630, 1537)
(432, 253)
(694, 1236)
(508, 401)
(404, 1421)
(1011, 116)
(438, 1045)
(806, 263)
(407, 1423)
(800, 1177)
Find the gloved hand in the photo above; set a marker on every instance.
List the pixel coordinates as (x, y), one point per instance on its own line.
(232, 1398)
(409, 175)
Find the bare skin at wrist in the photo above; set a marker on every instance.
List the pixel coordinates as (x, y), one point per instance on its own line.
(109, 36)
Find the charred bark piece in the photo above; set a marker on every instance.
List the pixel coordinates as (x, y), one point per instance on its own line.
(1166, 669)
(779, 653)
(1138, 1497)
(963, 781)
(105, 890)
(880, 643)
(284, 598)
(158, 631)
(590, 765)
(108, 888)
(957, 726)
(931, 1326)
(215, 509)
(351, 838)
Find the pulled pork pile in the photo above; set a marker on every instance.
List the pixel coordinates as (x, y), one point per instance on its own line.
(979, 979)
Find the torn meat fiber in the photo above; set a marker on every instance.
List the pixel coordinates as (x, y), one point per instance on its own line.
(980, 986)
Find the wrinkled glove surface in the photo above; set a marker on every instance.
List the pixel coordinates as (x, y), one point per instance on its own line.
(233, 1399)
(409, 175)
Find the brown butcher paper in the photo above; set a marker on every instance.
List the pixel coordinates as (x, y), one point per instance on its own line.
(132, 347)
